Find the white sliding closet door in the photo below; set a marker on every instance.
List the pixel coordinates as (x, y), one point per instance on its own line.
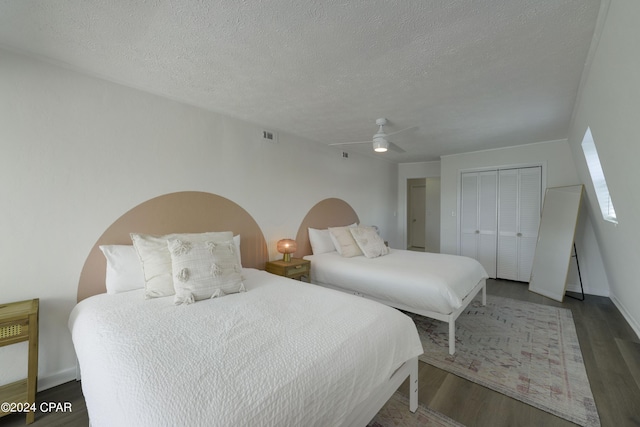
(478, 222)
(519, 194)
(469, 215)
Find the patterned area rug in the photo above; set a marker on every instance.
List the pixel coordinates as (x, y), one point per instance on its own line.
(526, 351)
(395, 413)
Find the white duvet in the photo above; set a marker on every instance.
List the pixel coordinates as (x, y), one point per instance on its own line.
(419, 280)
(284, 353)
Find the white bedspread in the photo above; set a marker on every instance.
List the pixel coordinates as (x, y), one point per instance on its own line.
(284, 353)
(424, 281)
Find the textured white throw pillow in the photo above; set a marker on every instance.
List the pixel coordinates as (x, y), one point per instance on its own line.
(369, 241)
(204, 269)
(320, 241)
(156, 259)
(344, 242)
(124, 271)
(236, 241)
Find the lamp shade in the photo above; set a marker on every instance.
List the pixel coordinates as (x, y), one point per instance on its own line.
(287, 247)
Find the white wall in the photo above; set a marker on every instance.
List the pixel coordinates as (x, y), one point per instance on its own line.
(557, 170)
(609, 103)
(77, 152)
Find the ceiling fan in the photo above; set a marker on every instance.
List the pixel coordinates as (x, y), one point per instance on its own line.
(380, 140)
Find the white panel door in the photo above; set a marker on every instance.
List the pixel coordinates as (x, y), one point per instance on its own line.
(529, 219)
(518, 220)
(469, 215)
(507, 267)
(487, 220)
(478, 222)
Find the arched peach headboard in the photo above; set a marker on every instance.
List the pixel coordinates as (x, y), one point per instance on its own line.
(327, 213)
(182, 212)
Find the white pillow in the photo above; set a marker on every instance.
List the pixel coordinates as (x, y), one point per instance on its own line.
(156, 259)
(236, 241)
(369, 241)
(124, 271)
(204, 269)
(335, 242)
(344, 241)
(320, 241)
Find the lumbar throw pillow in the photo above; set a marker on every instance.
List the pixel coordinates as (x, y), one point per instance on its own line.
(369, 241)
(344, 242)
(205, 269)
(156, 259)
(236, 241)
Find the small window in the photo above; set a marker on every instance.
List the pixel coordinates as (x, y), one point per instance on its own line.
(597, 176)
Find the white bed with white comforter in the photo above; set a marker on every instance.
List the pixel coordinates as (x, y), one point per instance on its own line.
(283, 353)
(434, 282)
(439, 286)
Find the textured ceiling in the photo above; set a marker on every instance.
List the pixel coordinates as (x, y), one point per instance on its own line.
(470, 74)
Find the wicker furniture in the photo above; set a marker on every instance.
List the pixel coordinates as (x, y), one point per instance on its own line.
(295, 269)
(18, 323)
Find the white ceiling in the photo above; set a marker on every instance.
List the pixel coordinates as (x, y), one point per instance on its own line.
(471, 74)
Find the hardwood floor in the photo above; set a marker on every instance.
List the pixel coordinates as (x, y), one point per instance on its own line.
(68, 392)
(610, 348)
(611, 352)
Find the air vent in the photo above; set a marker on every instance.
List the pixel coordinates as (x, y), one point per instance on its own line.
(269, 136)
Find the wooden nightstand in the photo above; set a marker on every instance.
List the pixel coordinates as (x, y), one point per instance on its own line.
(19, 322)
(295, 269)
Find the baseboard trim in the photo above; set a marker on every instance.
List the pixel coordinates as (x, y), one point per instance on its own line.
(49, 381)
(576, 288)
(625, 313)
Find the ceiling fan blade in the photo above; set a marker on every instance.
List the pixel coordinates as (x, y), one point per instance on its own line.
(403, 130)
(347, 143)
(394, 147)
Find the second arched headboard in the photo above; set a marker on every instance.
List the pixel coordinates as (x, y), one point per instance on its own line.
(326, 213)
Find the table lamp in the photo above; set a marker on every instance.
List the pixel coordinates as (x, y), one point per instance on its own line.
(287, 247)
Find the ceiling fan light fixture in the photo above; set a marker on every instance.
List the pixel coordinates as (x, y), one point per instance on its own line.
(380, 142)
(380, 145)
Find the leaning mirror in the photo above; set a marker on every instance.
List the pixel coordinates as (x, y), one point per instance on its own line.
(555, 241)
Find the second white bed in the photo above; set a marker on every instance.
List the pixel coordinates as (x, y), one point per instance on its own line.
(439, 286)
